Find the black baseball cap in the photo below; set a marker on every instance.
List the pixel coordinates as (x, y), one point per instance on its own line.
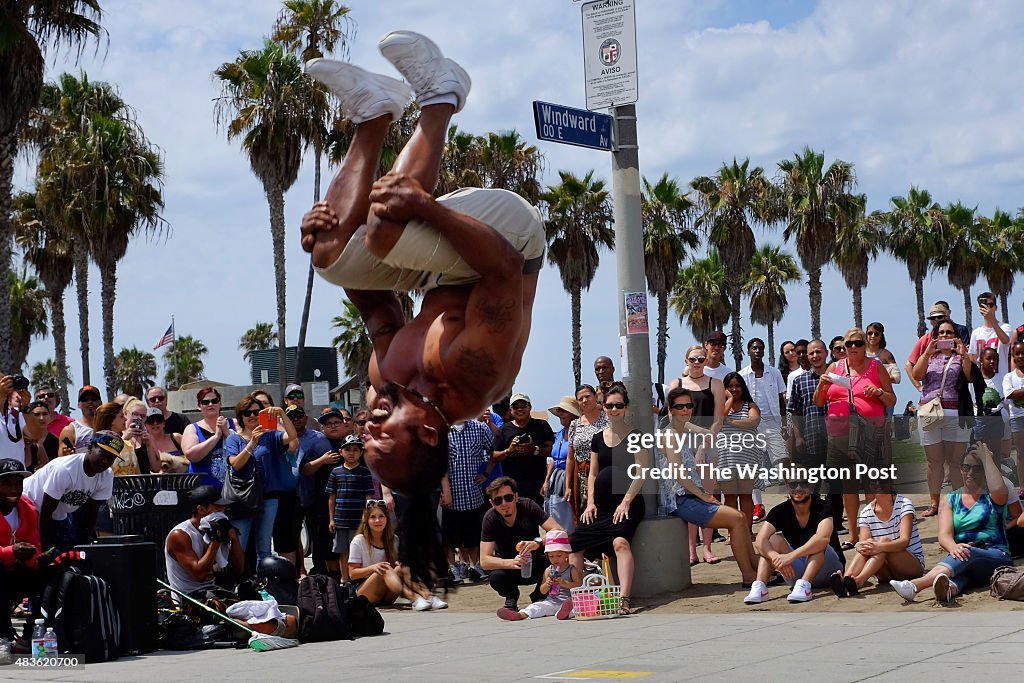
(295, 412)
(9, 467)
(207, 495)
(716, 337)
(329, 413)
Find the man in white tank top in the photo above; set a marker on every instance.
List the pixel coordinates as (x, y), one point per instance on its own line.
(193, 556)
(79, 432)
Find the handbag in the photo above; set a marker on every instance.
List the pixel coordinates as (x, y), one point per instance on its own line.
(1008, 583)
(245, 492)
(862, 443)
(930, 414)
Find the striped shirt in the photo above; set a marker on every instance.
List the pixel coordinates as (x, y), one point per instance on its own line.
(468, 447)
(890, 529)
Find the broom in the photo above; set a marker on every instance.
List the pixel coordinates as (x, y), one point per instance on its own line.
(260, 642)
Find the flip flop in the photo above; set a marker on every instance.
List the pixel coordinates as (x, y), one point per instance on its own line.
(847, 546)
(838, 585)
(712, 560)
(931, 511)
(851, 586)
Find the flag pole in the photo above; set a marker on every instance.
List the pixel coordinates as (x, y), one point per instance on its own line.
(174, 340)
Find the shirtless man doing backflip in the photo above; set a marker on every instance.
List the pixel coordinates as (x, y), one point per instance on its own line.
(474, 253)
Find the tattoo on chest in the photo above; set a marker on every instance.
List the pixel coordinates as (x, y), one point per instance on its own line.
(497, 314)
(476, 363)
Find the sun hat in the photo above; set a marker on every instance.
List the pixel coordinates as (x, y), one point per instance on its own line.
(556, 540)
(568, 404)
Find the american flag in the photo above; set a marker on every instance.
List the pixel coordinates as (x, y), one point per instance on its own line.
(168, 338)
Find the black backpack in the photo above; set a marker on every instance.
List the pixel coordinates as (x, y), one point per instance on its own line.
(330, 611)
(81, 611)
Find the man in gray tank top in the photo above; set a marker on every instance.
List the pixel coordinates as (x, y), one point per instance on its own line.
(196, 556)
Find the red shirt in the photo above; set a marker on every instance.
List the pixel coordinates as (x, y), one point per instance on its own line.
(58, 423)
(28, 532)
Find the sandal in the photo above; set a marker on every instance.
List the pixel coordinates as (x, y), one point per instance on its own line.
(624, 606)
(848, 545)
(931, 511)
(711, 558)
(694, 561)
(838, 585)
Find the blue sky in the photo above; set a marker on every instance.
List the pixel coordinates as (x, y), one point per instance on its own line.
(928, 94)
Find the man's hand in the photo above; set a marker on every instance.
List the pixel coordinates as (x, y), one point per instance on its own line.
(321, 235)
(330, 526)
(23, 552)
(446, 498)
(398, 198)
(329, 458)
(783, 564)
(6, 387)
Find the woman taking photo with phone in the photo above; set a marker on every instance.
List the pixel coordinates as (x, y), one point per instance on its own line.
(944, 369)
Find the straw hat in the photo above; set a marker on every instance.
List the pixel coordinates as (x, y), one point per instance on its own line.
(568, 404)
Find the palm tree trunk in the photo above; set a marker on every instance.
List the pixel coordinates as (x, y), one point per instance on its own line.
(662, 334)
(577, 346)
(275, 197)
(60, 349)
(8, 148)
(967, 308)
(771, 343)
(81, 259)
(858, 307)
(814, 283)
(1006, 308)
(108, 294)
(304, 322)
(737, 335)
(919, 293)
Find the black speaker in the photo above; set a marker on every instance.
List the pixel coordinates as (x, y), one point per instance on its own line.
(130, 572)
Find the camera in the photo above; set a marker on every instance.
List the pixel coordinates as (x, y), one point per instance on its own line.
(20, 382)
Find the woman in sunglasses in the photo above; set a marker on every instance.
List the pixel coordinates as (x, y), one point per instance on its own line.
(860, 383)
(945, 371)
(203, 440)
(164, 450)
(373, 564)
(972, 530)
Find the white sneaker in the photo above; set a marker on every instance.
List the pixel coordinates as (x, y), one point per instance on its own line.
(905, 589)
(422, 604)
(758, 593)
(801, 591)
(424, 66)
(362, 95)
(941, 586)
(437, 603)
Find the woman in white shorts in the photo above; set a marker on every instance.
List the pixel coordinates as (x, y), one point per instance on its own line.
(940, 369)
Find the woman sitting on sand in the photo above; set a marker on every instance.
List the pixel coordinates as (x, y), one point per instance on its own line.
(972, 529)
(889, 546)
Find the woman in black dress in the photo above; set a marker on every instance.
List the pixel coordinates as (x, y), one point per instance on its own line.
(615, 507)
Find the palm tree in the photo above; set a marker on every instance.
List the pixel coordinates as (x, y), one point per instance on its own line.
(48, 249)
(259, 337)
(819, 202)
(771, 270)
(27, 28)
(459, 165)
(28, 314)
(729, 202)
(184, 361)
(134, 371)
(276, 109)
(965, 249)
(915, 232)
(667, 217)
(857, 243)
(1005, 248)
(46, 373)
(309, 28)
(701, 295)
(579, 223)
(354, 344)
(508, 162)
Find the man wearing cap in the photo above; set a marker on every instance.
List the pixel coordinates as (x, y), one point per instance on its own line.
(714, 345)
(295, 395)
(19, 542)
(553, 490)
(20, 424)
(463, 504)
(174, 423)
(205, 547)
(79, 433)
(312, 447)
(522, 446)
(937, 314)
(58, 421)
(83, 480)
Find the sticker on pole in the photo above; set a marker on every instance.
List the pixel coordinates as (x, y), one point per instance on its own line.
(609, 53)
(636, 312)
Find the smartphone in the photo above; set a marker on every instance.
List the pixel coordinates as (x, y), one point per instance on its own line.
(945, 344)
(525, 438)
(69, 444)
(267, 421)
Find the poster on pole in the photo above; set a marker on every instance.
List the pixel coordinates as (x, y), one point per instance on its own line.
(636, 313)
(609, 53)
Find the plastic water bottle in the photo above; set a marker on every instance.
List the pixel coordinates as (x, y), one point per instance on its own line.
(527, 570)
(50, 642)
(38, 641)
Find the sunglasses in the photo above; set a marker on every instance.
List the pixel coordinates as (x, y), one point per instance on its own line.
(936, 317)
(155, 420)
(507, 498)
(295, 396)
(682, 406)
(967, 469)
(798, 485)
(697, 359)
(376, 504)
(615, 406)
(854, 343)
(249, 413)
(48, 394)
(210, 402)
(837, 348)
(347, 419)
(155, 399)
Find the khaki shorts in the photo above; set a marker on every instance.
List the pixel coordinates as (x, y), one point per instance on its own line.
(423, 259)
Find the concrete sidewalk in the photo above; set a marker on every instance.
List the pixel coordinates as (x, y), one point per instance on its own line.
(452, 646)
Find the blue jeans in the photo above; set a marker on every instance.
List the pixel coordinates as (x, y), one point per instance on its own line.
(265, 529)
(244, 527)
(977, 569)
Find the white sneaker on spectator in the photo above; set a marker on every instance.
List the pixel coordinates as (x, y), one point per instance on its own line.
(437, 603)
(801, 591)
(905, 589)
(421, 604)
(424, 66)
(758, 593)
(361, 95)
